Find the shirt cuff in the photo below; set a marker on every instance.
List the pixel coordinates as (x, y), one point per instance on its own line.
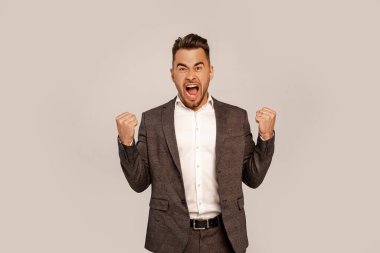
(128, 145)
(264, 146)
(268, 139)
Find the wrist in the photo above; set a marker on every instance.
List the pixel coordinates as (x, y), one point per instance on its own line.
(266, 136)
(125, 142)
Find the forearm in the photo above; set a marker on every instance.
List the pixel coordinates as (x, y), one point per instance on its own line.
(258, 162)
(134, 161)
(257, 158)
(135, 168)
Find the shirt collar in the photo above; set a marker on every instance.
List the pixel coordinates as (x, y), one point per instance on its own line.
(210, 101)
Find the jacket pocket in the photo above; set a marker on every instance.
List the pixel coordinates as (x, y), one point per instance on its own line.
(159, 204)
(240, 202)
(235, 134)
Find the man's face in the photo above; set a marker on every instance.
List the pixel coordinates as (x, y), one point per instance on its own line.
(191, 72)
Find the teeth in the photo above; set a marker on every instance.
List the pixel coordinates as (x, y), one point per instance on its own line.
(191, 86)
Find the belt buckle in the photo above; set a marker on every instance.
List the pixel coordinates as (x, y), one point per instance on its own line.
(207, 225)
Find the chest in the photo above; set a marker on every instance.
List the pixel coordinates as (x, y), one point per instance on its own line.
(195, 130)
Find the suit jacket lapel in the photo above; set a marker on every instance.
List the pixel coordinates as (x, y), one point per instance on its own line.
(169, 132)
(220, 116)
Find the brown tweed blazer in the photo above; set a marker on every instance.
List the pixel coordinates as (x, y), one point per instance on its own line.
(154, 160)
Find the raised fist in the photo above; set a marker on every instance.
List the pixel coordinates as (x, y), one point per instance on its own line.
(126, 123)
(266, 118)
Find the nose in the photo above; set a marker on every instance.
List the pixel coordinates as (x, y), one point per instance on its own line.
(190, 75)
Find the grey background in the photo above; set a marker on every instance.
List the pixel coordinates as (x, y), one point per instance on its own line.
(67, 68)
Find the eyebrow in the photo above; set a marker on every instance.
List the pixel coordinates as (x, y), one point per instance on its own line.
(184, 65)
(181, 64)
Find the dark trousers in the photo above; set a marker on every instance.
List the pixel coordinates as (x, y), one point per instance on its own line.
(209, 240)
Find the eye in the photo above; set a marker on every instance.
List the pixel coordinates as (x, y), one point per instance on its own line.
(181, 69)
(198, 68)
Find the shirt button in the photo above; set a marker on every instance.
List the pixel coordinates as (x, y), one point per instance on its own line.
(197, 166)
(199, 185)
(200, 203)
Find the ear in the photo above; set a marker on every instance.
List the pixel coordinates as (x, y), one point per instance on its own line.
(211, 72)
(172, 74)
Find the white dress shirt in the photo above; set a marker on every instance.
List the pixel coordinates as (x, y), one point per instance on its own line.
(196, 136)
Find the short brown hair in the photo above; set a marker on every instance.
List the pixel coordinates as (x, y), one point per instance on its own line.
(191, 41)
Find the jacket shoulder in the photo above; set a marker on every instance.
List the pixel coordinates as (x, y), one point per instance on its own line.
(231, 108)
(153, 117)
(158, 109)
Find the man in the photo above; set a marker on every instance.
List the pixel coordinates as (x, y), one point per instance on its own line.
(195, 151)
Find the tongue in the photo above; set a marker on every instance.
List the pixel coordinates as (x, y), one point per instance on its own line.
(192, 91)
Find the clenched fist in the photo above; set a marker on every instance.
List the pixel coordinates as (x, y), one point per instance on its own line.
(126, 123)
(266, 119)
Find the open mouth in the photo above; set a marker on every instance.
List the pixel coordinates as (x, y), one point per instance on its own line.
(192, 89)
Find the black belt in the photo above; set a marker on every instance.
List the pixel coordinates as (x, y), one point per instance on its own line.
(203, 224)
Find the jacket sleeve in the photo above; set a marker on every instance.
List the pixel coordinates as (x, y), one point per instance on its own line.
(257, 158)
(134, 161)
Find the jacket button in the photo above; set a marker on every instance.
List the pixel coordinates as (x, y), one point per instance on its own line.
(183, 201)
